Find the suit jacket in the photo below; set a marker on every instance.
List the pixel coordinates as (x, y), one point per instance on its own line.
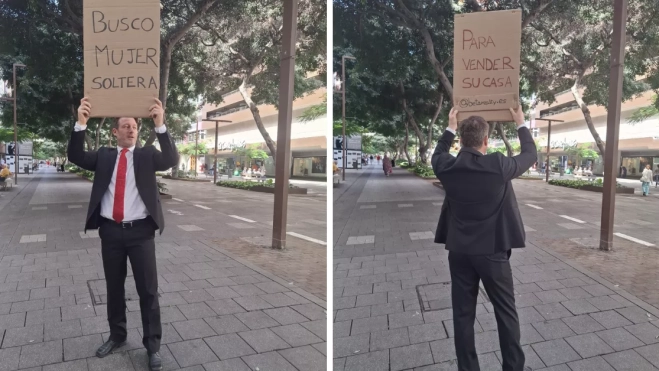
(480, 215)
(146, 161)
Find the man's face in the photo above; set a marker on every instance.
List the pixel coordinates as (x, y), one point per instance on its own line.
(126, 133)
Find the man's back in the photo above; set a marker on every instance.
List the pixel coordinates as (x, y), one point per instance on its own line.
(480, 213)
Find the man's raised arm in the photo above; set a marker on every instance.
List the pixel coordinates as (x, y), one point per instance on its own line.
(441, 156)
(76, 149)
(168, 158)
(512, 167)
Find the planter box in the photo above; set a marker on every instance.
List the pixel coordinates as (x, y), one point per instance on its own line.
(530, 178)
(189, 179)
(291, 191)
(625, 190)
(165, 196)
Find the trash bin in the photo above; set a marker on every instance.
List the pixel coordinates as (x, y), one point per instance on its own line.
(354, 165)
(27, 169)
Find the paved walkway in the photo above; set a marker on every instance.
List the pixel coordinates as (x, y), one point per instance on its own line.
(220, 311)
(391, 299)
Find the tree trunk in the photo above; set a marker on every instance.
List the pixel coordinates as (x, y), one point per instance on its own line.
(436, 65)
(272, 146)
(90, 143)
(98, 133)
(423, 157)
(138, 143)
(434, 119)
(501, 132)
(166, 56)
(586, 115)
(407, 136)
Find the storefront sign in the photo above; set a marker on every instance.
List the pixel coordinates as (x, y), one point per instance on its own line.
(354, 142)
(486, 49)
(122, 56)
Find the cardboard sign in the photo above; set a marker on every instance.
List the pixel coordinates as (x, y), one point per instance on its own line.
(486, 48)
(122, 56)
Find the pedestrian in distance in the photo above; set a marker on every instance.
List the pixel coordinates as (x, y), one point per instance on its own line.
(125, 208)
(479, 224)
(646, 179)
(386, 165)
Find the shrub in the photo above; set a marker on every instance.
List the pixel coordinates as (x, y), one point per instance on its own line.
(577, 184)
(247, 185)
(424, 171)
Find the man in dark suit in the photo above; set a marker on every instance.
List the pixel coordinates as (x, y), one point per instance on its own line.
(479, 223)
(125, 207)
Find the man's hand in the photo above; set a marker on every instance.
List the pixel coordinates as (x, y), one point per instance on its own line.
(518, 116)
(453, 119)
(157, 113)
(84, 111)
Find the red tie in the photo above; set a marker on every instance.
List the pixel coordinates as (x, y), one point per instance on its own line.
(120, 187)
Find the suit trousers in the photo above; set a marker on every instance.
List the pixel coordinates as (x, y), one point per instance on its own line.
(495, 272)
(137, 244)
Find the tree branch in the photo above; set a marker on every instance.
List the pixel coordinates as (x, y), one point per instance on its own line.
(533, 14)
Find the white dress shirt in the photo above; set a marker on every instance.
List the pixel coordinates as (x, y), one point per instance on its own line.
(134, 208)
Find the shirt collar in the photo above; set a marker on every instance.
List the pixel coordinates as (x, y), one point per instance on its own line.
(130, 149)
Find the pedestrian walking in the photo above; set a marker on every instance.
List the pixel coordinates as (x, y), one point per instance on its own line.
(386, 165)
(125, 207)
(646, 179)
(479, 224)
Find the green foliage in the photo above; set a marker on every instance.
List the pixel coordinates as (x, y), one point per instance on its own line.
(251, 152)
(191, 149)
(162, 187)
(314, 112)
(645, 113)
(578, 184)
(84, 173)
(424, 171)
(247, 185)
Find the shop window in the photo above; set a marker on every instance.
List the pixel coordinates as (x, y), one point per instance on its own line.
(310, 166)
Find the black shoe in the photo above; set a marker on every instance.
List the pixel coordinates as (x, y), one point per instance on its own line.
(155, 362)
(108, 347)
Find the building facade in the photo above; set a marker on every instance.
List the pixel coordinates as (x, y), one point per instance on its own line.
(308, 138)
(638, 142)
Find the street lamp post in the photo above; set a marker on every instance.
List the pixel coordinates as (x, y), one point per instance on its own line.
(548, 145)
(216, 127)
(343, 116)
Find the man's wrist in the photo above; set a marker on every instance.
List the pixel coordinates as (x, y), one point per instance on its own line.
(524, 125)
(450, 130)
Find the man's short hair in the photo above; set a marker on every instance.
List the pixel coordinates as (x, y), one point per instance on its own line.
(115, 123)
(472, 131)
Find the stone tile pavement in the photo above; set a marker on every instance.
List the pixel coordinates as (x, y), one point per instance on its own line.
(219, 311)
(579, 308)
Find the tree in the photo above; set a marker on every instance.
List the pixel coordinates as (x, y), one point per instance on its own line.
(46, 35)
(244, 52)
(251, 153)
(192, 149)
(570, 50)
(645, 113)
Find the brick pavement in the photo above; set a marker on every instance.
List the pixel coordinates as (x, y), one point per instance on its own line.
(219, 311)
(572, 318)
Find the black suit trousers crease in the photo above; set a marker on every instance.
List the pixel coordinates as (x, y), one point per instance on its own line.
(495, 272)
(138, 245)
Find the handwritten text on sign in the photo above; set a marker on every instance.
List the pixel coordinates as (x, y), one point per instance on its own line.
(122, 56)
(486, 63)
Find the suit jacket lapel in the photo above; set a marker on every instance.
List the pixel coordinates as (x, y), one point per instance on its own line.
(136, 156)
(113, 160)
